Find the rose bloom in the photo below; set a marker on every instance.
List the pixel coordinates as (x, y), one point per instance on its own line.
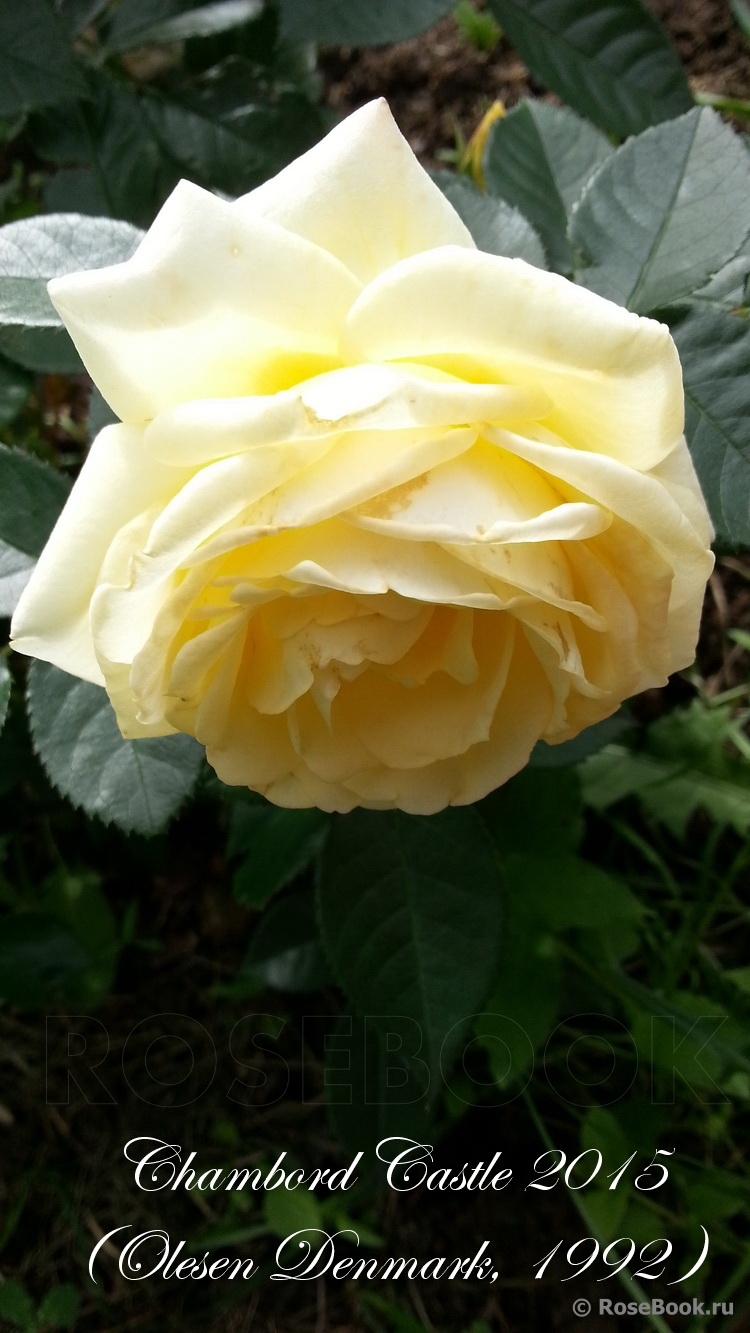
(382, 510)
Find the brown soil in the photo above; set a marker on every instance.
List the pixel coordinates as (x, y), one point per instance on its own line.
(438, 83)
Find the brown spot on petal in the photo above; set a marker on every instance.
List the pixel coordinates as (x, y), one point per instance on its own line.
(394, 501)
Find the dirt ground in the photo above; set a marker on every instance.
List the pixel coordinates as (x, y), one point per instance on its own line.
(437, 83)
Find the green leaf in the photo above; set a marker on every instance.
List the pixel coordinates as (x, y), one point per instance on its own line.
(285, 951)
(77, 15)
(45, 351)
(688, 765)
(539, 158)
(535, 806)
(611, 62)
(59, 1307)
(238, 152)
(740, 977)
(100, 414)
(564, 892)
(550, 894)
(138, 785)
(79, 903)
(398, 1320)
(31, 497)
(601, 1129)
(15, 572)
(206, 148)
(109, 135)
(17, 760)
(135, 25)
(605, 1212)
(727, 289)
(725, 1049)
(36, 66)
(522, 1007)
(668, 210)
(39, 954)
(130, 21)
(75, 190)
(359, 22)
(277, 845)
(495, 226)
(476, 26)
(376, 1085)
(580, 747)
(410, 910)
(15, 1304)
(714, 349)
(288, 1211)
(14, 390)
(6, 683)
(741, 12)
(36, 249)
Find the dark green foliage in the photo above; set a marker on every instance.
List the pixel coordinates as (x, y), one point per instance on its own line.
(138, 785)
(31, 497)
(665, 213)
(714, 348)
(36, 68)
(496, 226)
(403, 901)
(358, 22)
(611, 62)
(539, 159)
(286, 953)
(275, 846)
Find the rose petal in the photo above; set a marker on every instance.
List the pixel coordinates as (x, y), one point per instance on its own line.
(409, 728)
(480, 498)
(361, 195)
(614, 377)
(336, 555)
(643, 502)
(116, 484)
(212, 304)
(353, 398)
(520, 718)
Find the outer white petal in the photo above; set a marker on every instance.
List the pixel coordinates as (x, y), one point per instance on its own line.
(677, 474)
(614, 377)
(361, 195)
(213, 303)
(117, 483)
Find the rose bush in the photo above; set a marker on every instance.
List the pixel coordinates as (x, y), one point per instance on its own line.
(382, 510)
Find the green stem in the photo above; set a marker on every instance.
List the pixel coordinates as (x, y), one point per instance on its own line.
(736, 106)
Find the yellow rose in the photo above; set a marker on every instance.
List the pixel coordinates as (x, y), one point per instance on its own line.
(383, 510)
